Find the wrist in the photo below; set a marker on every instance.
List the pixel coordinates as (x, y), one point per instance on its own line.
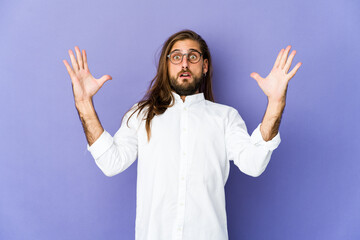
(84, 107)
(83, 102)
(274, 109)
(280, 102)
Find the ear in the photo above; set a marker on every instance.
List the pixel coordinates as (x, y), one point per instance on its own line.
(205, 66)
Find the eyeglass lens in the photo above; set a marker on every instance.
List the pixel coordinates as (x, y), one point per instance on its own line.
(193, 57)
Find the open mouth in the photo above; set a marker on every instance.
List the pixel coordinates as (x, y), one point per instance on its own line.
(185, 75)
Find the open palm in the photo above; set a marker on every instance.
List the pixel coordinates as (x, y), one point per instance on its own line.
(275, 84)
(84, 84)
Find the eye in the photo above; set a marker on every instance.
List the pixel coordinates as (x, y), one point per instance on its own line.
(193, 56)
(176, 56)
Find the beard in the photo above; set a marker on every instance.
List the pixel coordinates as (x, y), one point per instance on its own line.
(185, 87)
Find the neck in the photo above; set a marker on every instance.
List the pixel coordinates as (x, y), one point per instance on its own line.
(183, 97)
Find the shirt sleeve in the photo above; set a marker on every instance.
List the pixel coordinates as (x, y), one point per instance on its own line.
(115, 154)
(251, 154)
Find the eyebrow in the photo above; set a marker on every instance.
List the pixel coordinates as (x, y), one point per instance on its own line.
(190, 49)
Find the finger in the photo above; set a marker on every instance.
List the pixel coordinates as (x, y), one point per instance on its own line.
(292, 73)
(73, 61)
(85, 60)
(79, 58)
(277, 61)
(256, 76)
(68, 68)
(289, 61)
(284, 56)
(103, 79)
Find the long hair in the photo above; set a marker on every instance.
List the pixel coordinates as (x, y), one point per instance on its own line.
(158, 97)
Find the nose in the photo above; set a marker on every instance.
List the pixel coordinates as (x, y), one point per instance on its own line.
(184, 62)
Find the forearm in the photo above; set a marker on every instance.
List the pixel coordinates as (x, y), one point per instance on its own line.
(271, 120)
(90, 121)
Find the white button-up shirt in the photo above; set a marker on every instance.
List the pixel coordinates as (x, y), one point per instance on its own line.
(182, 171)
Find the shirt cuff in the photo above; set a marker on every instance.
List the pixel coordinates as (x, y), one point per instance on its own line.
(257, 139)
(101, 144)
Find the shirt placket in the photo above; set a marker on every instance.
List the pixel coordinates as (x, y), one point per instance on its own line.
(179, 224)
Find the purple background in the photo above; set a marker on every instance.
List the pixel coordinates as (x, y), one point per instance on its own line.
(51, 188)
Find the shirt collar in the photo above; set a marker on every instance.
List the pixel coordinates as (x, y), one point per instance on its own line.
(190, 99)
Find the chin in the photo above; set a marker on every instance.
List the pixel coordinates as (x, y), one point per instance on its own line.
(186, 80)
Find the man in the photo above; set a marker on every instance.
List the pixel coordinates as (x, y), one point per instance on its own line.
(182, 139)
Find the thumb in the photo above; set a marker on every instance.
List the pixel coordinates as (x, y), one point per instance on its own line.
(104, 78)
(256, 76)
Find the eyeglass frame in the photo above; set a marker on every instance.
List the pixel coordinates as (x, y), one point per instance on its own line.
(182, 56)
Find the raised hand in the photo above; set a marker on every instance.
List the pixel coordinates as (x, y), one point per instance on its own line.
(84, 84)
(275, 84)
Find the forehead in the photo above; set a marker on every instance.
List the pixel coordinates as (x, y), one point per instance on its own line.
(185, 45)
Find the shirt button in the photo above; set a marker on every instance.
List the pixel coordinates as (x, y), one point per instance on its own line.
(179, 229)
(184, 153)
(184, 129)
(182, 178)
(181, 204)
(185, 108)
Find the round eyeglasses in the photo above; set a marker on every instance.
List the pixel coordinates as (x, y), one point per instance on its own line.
(176, 57)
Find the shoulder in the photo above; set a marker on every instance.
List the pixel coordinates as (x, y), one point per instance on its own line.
(136, 110)
(134, 115)
(220, 108)
(229, 114)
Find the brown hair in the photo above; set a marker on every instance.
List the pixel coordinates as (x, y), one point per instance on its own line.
(158, 97)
